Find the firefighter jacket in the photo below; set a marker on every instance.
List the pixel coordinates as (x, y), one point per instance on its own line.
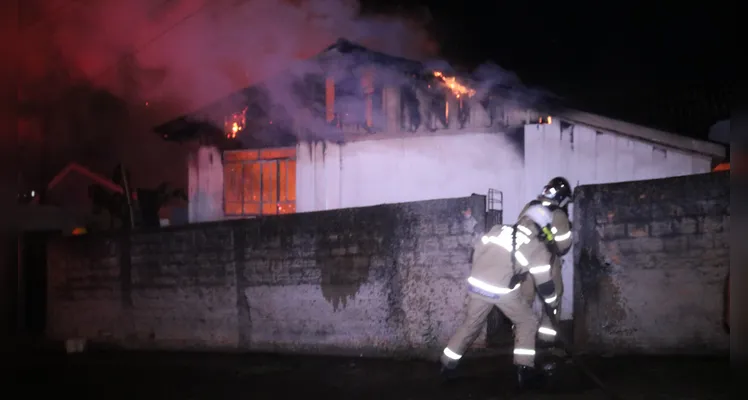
(499, 270)
(560, 226)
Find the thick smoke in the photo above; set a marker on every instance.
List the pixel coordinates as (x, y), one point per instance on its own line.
(98, 75)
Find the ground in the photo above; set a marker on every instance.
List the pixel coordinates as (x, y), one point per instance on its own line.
(154, 375)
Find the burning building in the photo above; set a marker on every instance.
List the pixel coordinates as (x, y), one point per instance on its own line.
(354, 128)
(366, 128)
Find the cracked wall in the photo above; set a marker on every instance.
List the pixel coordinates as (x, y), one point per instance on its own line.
(651, 258)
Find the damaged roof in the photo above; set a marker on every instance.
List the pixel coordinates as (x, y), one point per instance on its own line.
(187, 127)
(608, 116)
(363, 54)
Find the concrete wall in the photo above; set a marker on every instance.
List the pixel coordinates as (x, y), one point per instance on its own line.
(651, 261)
(382, 278)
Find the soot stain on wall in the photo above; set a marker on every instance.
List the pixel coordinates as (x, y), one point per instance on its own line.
(667, 230)
(352, 246)
(516, 138)
(342, 261)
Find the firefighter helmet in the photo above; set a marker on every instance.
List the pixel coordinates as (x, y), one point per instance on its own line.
(557, 190)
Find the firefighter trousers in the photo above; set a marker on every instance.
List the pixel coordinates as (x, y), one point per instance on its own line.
(515, 308)
(546, 331)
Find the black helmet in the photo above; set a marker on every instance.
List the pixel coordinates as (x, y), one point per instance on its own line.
(557, 190)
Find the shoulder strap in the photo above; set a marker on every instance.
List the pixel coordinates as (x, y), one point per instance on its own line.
(514, 249)
(516, 277)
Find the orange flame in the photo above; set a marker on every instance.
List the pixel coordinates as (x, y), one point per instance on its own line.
(456, 87)
(235, 123)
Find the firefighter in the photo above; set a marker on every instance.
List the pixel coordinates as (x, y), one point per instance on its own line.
(556, 196)
(503, 258)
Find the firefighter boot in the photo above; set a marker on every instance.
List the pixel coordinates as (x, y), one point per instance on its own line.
(528, 377)
(448, 371)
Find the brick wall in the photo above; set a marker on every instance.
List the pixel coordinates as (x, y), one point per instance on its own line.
(382, 278)
(651, 259)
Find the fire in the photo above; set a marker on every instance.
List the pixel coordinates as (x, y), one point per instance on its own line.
(235, 123)
(456, 87)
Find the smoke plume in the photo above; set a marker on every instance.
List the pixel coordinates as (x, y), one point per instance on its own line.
(98, 75)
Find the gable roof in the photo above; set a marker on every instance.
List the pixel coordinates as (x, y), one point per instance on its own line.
(182, 127)
(77, 169)
(648, 134)
(344, 46)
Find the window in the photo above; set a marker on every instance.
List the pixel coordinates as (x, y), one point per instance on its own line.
(354, 102)
(259, 182)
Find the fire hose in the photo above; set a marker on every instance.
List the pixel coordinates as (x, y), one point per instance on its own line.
(574, 358)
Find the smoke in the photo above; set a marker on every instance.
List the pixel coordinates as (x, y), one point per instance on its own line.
(200, 50)
(98, 75)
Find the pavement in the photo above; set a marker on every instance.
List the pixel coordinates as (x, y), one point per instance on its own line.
(171, 375)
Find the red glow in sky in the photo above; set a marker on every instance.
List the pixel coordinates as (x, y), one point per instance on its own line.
(205, 48)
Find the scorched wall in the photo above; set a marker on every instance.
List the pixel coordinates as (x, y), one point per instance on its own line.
(651, 261)
(374, 279)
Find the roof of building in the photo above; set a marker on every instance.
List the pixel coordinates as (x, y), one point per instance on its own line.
(345, 46)
(641, 132)
(185, 127)
(563, 108)
(81, 170)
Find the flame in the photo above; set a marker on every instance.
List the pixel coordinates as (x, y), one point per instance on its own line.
(720, 167)
(456, 87)
(235, 123)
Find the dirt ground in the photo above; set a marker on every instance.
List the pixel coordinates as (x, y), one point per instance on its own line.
(159, 375)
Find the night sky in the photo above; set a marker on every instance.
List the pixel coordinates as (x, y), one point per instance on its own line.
(655, 63)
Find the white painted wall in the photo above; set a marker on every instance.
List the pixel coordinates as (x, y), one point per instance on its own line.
(584, 156)
(205, 187)
(404, 169)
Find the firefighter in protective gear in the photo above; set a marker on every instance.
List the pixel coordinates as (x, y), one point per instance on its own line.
(556, 196)
(503, 258)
